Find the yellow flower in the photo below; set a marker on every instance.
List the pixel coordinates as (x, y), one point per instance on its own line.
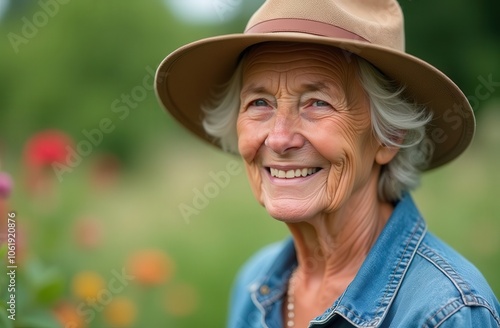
(120, 313)
(87, 285)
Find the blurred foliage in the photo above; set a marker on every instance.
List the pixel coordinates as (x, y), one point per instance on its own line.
(120, 203)
(461, 39)
(67, 73)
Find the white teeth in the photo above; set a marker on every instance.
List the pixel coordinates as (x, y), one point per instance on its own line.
(290, 174)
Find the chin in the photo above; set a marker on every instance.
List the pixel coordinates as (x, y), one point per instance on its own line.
(289, 213)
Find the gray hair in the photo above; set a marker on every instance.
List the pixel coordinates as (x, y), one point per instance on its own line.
(396, 122)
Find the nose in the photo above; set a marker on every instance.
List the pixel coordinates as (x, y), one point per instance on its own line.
(284, 133)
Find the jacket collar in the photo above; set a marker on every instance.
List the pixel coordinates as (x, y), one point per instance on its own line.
(368, 297)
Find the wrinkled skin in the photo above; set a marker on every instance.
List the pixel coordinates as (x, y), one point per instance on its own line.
(300, 109)
(302, 106)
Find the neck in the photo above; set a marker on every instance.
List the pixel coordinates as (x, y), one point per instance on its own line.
(340, 239)
(331, 248)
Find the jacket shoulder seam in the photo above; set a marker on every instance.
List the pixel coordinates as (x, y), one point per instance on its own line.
(452, 307)
(447, 269)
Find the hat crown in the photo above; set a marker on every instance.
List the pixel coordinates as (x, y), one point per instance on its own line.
(371, 29)
(376, 21)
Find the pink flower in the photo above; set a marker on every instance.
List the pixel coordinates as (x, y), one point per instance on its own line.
(5, 185)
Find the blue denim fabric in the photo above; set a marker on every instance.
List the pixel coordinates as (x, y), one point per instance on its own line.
(409, 279)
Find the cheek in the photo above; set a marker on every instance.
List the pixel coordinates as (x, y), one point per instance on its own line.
(251, 137)
(249, 143)
(255, 181)
(347, 144)
(363, 162)
(334, 138)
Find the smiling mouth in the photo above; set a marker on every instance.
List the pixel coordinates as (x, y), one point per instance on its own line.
(291, 174)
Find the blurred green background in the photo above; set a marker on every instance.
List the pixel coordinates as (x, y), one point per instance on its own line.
(104, 242)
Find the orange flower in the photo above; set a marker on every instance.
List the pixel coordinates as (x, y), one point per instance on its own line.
(182, 300)
(68, 317)
(120, 313)
(151, 267)
(87, 285)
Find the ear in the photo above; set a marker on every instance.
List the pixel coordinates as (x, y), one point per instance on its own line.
(385, 154)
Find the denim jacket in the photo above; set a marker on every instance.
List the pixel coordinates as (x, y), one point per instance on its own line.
(409, 279)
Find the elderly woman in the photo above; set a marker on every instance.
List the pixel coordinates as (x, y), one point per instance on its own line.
(334, 122)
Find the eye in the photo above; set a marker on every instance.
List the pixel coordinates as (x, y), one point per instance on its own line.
(259, 103)
(320, 103)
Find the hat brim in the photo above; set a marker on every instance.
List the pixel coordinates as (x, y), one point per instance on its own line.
(187, 77)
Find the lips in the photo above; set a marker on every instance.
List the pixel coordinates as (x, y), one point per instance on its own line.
(294, 173)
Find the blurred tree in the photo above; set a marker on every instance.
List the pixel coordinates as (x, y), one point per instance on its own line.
(461, 39)
(76, 64)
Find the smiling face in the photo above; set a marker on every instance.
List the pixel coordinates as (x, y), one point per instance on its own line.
(304, 131)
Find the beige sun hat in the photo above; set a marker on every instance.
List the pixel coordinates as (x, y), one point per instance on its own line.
(371, 29)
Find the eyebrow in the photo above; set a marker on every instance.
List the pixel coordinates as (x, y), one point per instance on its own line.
(309, 87)
(253, 89)
(316, 86)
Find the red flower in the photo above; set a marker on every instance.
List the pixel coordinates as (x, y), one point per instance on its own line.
(40, 152)
(47, 147)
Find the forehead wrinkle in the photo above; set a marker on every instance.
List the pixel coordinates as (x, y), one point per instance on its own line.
(319, 80)
(321, 63)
